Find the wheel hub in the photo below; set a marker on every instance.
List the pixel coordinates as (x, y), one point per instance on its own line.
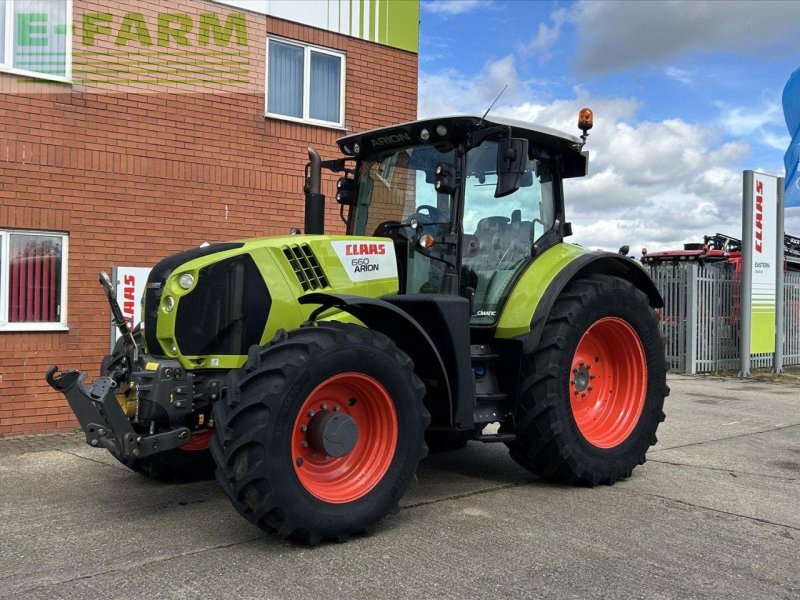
(332, 433)
(581, 378)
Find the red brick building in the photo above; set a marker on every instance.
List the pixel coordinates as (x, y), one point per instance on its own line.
(156, 126)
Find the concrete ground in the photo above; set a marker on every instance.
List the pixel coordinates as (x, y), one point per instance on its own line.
(715, 512)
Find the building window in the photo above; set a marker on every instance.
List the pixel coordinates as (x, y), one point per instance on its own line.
(33, 276)
(35, 38)
(305, 83)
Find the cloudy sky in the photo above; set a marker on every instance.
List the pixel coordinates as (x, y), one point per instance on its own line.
(685, 97)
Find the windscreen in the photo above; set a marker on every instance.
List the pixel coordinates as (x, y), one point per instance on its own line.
(397, 185)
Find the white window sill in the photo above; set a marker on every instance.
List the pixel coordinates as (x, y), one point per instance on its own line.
(312, 122)
(35, 75)
(32, 327)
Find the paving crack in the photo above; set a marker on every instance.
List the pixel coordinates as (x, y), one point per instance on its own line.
(731, 471)
(128, 567)
(94, 460)
(466, 494)
(722, 439)
(714, 510)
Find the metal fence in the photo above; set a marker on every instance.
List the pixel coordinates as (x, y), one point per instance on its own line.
(700, 318)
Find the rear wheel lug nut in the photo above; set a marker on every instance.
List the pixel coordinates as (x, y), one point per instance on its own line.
(324, 406)
(298, 461)
(303, 427)
(311, 413)
(304, 444)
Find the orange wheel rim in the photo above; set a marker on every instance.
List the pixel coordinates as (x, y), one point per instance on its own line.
(608, 382)
(344, 403)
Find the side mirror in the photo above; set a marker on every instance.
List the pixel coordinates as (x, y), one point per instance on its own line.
(346, 190)
(512, 158)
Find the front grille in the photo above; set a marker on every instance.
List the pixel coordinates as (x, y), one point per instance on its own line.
(155, 287)
(306, 267)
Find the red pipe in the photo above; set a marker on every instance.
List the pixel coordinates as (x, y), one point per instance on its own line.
(55, 278)
(23, 272)
(14, 288)
(29, 289)
(38, 264)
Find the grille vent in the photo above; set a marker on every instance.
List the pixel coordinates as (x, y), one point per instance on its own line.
(305, 266)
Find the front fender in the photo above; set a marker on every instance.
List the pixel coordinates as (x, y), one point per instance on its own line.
(398, 326)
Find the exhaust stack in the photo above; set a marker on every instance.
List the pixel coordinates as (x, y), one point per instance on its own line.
(315, 200)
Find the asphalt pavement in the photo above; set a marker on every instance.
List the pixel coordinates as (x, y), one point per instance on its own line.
(714, 513)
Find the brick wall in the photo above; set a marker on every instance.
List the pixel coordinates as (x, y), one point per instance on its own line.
(135, 174)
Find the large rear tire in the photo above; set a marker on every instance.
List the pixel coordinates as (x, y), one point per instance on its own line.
(191, 462)
(592, 393)
(320, 433)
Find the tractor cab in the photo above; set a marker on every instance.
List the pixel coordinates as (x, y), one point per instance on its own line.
(468, 202)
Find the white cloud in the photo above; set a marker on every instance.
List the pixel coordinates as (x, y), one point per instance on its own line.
(546, 35)
(762, 123)
(652, 183)
(614, 35)
(451, 7)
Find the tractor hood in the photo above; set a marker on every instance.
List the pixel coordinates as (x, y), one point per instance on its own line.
(205, 307)
(455, 129)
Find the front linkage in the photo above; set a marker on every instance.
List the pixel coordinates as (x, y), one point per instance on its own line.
(103, 421)
(99, 408)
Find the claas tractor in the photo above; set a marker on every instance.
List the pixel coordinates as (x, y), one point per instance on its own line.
(312, 372)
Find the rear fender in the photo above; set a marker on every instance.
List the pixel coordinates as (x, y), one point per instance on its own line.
(605, 263)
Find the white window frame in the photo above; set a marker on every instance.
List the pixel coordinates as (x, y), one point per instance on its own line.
(5, 245)
(307, 49)
(7, 64)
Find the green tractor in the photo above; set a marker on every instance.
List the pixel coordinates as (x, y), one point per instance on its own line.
(312, 372)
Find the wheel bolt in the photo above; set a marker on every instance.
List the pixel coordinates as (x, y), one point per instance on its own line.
(572, 382)
(298, 461)
(583, 395)
(591, 376)
(580, 364)
(335, 408)
(303, 427)
(589, 388)
(574, 370)
(324, 406)
(304, 444)
(352, 401)
(311, 413)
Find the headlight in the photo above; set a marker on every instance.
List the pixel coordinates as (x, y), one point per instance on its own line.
(186, 281)
(169, 303)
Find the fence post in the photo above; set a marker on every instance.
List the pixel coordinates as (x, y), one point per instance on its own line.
(746, 301)
(777, 359)
(691, 318)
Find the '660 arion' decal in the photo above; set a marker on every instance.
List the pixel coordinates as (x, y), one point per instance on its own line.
(366, 260)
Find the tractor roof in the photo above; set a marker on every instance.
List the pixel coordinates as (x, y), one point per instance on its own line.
(407, 133)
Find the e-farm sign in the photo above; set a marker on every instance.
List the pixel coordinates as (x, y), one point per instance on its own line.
(760, 266)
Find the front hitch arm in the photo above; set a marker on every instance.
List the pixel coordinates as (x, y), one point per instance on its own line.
(103, 421)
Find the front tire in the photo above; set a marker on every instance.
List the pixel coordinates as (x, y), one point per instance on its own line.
(320, 433)
(592, 394)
